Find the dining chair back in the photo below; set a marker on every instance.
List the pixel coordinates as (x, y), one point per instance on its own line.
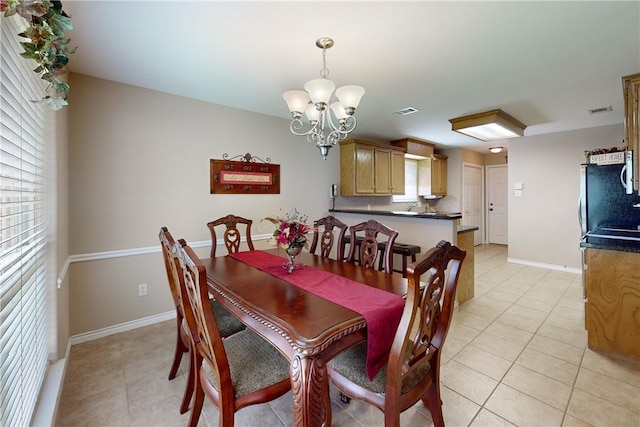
(323, 233)
(412, 372)
(232, 235)
(364, 247)
(229, 324)
(242, 370)
(182, 337)
(183, 340)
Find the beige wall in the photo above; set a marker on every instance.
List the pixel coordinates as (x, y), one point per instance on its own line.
(543, 224)
(138, 160)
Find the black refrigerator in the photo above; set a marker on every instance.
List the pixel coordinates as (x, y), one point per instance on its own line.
(604, 201)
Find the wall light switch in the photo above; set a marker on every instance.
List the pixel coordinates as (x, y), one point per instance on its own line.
(518, 193)
(517, 186)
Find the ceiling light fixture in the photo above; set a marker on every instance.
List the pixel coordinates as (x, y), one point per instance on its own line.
(489, 126)
(314, 103)
(495, 150)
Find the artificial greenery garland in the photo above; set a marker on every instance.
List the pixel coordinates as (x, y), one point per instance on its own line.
(47, 45)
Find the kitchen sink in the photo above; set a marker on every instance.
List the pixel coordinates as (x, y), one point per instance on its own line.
(616, 233)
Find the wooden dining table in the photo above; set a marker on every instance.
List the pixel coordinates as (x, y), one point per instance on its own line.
(307, 329)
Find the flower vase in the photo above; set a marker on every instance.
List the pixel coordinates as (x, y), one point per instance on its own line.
(292, 253)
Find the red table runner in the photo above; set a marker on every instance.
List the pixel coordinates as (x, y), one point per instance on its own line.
(381, 310)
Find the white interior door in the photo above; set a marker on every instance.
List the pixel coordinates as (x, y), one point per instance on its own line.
(497, 204)
(472, 200)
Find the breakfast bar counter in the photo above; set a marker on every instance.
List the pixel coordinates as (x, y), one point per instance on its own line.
(425, 230)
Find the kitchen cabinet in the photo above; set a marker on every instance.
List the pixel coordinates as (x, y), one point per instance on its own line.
(439, 175)
(432, 176)
(370, 169)
(415, 147)
(466, 288)
(631, 92)
(612, 291)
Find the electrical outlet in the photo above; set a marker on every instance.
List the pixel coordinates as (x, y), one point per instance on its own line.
(142, 289)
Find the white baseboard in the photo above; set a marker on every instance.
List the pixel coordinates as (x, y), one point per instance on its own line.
(543, 265)
(122, 327)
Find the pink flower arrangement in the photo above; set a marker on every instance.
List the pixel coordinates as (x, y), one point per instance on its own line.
(291, 230)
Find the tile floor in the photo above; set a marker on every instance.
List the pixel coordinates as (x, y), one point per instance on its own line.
(515, 355)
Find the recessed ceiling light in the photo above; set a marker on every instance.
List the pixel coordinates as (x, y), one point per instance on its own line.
(406, 111)
(600, 110)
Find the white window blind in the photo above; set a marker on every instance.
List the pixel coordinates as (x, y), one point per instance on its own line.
(410, 182)
(23, 340)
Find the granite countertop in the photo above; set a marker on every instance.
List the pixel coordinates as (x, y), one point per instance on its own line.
(413, 214)
(610, 244)
(467, 228)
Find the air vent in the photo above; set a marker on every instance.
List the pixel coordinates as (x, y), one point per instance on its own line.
(406, 111)
(600, 110)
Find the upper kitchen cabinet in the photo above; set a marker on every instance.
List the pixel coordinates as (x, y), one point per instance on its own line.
(439, 175)
(370, 169)
(631, 92)
(414, 147)
(432, 176)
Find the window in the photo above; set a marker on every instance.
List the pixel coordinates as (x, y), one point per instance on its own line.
(410, 182)
(23, 331)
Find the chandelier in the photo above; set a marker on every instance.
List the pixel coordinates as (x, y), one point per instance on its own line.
(325, 131)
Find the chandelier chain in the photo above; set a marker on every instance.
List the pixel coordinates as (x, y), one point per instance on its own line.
(324, 73)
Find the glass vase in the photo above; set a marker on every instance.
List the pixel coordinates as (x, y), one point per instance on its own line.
(292, 253)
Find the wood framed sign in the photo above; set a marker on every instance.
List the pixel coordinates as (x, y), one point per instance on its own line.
(242, 177)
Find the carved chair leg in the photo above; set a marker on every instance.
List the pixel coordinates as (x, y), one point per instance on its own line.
(344, 398)
(180, 350)
(190, 386)
(433, 402)
(198, 401)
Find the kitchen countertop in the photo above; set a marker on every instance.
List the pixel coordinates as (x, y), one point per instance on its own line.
(623, 239)
(467, 228)
(610, 244)
(433, 215)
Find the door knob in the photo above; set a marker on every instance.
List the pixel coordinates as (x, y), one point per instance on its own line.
(491, 209)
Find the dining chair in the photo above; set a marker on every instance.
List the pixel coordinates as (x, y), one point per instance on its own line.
(182, 336)
(232, 235)
(412, 372)
(228, 323)
(363, 243)
(326, 237)
(242, 370)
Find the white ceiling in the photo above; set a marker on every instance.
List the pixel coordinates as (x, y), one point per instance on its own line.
(545, 63)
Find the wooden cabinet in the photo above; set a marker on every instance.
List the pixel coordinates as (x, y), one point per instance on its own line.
(415, 147)
(370, 169)
(466, 288)
(439, 175)
(631, 92)
(612, 291)
(432, 176)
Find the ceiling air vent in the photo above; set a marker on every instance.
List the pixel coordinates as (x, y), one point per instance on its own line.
(600, 110)
(406, 111)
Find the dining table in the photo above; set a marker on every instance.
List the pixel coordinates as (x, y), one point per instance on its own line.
(301, 316)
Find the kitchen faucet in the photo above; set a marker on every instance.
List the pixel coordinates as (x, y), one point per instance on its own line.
(415, 205)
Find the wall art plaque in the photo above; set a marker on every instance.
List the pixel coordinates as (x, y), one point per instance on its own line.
(248, 175)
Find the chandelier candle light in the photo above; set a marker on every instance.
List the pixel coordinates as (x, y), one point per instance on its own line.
(314, 103)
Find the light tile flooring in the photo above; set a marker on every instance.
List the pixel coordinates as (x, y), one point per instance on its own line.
(515, 355)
